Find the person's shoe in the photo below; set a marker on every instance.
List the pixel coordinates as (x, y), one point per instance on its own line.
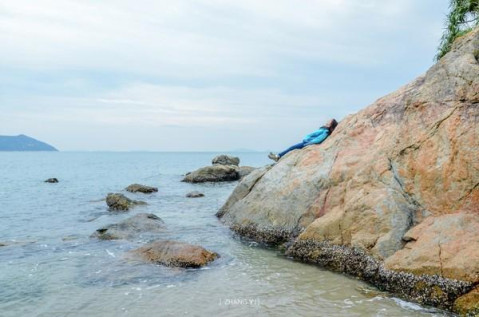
(274, 157)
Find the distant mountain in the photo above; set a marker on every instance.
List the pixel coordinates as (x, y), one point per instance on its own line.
(23, 143)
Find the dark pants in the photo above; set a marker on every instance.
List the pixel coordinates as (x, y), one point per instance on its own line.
(294, 147)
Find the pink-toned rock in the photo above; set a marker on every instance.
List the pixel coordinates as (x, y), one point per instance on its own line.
(409, 160)
(175, 253)
(410, 155)
(444, 245)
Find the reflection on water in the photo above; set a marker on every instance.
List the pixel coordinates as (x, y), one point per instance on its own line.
(53, 268)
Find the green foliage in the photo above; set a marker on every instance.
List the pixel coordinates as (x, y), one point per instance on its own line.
(462, 18)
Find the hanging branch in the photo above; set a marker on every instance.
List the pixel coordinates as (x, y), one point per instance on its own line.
(462, 14)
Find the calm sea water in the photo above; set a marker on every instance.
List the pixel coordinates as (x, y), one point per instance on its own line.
(52, 268)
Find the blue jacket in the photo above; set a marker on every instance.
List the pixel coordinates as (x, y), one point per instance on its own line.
(317, 136)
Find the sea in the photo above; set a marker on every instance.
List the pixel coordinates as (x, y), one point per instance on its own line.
(51, 267)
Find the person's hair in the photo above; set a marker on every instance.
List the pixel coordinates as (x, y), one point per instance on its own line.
(331, 125)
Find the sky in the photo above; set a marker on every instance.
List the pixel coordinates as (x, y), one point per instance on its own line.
(204, 75)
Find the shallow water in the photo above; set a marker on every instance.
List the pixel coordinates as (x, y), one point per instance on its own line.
(52, 268)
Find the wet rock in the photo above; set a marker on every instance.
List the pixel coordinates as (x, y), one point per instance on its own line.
(120, 202)
(215, 173)
(245, 170)
(51, 180)
(195, 194)
(468, 305)
(425, 289)
(135, 188)
(226, 160)
(131, 227)
(174, 253)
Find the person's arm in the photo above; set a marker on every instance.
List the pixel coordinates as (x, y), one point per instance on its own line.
(320, 137)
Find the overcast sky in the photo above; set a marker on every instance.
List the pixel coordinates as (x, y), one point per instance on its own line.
(202, 75)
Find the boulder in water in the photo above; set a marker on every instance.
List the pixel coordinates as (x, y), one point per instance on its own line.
(131, 227)
(226, 160)
(135, 188)
(195, 194)
(175, 253)
(245, 170)
(120, 202)
(215, 173)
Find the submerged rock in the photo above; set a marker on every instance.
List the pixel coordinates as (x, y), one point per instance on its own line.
(72, 237)
(195, 194)
(120, 202)
(174, 253)
(215, 173)
(51, 180)
(131, 227)
(226, 160)
(135, 188)
(399, 181)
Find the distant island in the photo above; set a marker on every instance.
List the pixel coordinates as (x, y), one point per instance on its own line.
(23, 143)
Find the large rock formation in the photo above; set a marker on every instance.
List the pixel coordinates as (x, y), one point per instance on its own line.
(175, 253)
(397, 182)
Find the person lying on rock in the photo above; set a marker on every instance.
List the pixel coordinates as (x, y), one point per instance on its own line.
(315, 137)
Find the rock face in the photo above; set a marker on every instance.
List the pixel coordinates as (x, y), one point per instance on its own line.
(195, 194)
(399, 181)
(215, 173)
(135, 188)
(174, 253)
(131, 227)
(226, 160)
(51, 180)
(444, 245)
(120, 202)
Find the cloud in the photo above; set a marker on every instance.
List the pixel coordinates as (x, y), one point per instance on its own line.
(220, 70)
(194, 38)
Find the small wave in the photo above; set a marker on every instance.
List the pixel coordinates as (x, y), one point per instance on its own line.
(412, 306)
(110, 253)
